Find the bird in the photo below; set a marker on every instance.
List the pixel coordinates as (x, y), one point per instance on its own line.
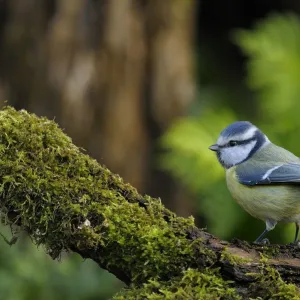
(261, 176)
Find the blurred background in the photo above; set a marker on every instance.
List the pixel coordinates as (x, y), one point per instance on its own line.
(145, 86)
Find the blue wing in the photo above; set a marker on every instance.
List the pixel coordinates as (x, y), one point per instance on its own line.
(288, 173)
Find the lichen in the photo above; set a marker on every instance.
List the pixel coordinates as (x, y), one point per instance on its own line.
(192, 284)
(51, 189)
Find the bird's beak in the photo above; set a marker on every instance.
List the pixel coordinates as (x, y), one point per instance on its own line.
(214, 147)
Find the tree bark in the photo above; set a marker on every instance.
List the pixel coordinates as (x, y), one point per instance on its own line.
(66, 201)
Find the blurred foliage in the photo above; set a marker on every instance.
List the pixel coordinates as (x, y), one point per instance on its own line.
(272, 50)
(274, 72)
(34, 275)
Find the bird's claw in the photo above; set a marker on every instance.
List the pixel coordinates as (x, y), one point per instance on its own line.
(296, 243)
(265, 241)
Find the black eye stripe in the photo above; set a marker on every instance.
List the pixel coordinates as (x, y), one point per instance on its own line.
(238, 142)
(259, 140)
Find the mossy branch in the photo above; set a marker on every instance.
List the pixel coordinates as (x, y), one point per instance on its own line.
(65, 200)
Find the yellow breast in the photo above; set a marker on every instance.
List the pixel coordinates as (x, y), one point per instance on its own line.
(280, 203)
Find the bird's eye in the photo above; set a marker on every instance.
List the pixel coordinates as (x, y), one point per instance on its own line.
(233, 143)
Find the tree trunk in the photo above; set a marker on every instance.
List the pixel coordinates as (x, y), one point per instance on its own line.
(67, 201)
(115, 74)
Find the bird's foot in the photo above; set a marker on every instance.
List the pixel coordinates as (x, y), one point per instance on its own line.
(263, 242)
(266, 242)
(295, 243)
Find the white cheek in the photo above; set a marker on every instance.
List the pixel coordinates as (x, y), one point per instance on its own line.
(235, 155)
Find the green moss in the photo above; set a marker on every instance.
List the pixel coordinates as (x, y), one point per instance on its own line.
(269, 285)
(233, 259)
(269, 251)
(192, 284)
(67, 201)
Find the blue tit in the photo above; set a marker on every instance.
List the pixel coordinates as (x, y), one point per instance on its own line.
(262, 177)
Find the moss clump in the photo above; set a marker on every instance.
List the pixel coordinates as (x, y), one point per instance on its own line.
(268, 251)
(192, 284)
(269, 285)
(233, 259)
(67, 201)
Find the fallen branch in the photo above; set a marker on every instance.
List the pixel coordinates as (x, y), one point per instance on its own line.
(66, 201)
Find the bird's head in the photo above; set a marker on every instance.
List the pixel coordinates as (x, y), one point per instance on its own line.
(238, 142)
